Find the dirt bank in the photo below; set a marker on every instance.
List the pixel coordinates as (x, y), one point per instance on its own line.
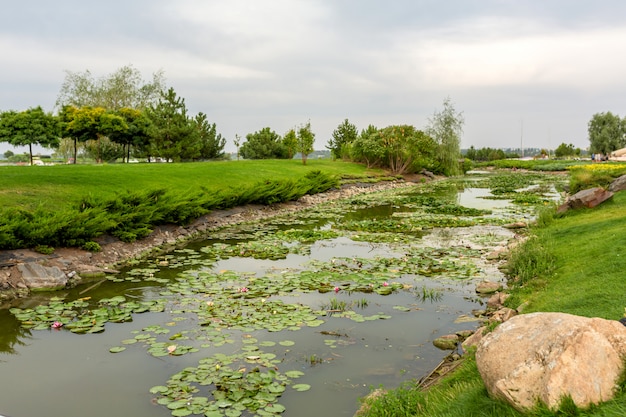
(75, 262)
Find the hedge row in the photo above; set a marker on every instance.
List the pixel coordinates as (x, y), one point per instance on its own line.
(132, 215)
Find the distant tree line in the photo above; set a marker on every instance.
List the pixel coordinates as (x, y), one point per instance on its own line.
(121, 116)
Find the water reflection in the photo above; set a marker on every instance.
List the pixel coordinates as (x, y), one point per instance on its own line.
(12, 334)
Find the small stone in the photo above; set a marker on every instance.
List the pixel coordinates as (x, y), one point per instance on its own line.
(447, 342)
(488, 287)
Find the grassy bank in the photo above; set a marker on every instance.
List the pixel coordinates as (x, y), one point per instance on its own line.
(59, 185)
(572, 264)
(52, 206)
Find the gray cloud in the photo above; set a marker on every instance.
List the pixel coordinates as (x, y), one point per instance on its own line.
(279, 63)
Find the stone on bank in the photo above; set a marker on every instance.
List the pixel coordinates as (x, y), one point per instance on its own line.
(544, 357)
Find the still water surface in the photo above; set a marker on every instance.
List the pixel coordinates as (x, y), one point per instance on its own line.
(60, 374)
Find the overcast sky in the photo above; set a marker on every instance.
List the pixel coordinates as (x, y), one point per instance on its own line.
(535, 71)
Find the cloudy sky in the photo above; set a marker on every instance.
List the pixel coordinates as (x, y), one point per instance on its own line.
(530, 70)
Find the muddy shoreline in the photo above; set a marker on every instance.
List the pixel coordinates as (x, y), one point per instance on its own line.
(80, 264)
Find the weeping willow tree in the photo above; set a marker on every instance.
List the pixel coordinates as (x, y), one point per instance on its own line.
(446, 127)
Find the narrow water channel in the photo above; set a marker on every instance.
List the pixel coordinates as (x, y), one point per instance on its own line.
(359, 340)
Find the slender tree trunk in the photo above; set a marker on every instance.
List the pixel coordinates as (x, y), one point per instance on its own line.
(30, 151)
(75, 149)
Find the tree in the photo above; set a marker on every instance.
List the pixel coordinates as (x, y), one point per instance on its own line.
(28, 128)
(290, 141)
(367, 147)
(211, 143)
(123, 88)
(345, 134)
(90, 123)
(137, 133)
(446, 127)
(172, 133)
(606, 133)
(306, 139)
(564, 150)
(237, 143)
(264, 144)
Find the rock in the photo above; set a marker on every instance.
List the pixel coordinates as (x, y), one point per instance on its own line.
(502, 315)
(497, 299)
(488, 287)
(547, 356)
(586, 198)
(516, 225)
(464, 334)
(474, 339)
(618, 184)
(447, 342)
(41, 278)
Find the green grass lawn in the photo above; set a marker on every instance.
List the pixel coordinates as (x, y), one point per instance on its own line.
(58, 185)
(581, 269)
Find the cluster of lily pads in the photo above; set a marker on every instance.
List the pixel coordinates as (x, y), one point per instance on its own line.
(82, 316)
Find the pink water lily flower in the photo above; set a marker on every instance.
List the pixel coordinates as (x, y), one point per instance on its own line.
(337, 289)
(57, 325)
(171, 349)
(385, 284)
(243, 289)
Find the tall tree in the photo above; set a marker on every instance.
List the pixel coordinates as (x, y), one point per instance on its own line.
(446, 128)
(306, 140)
(290, 140)
(211, 143)
(606, 133)
(264, 144)
(172, 133)
(367, 147)
(29, 127)
(345, 134)
(137, 133)
(123, 88)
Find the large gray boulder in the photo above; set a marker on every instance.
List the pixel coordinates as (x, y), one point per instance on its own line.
(548, 356)
(618, 184)
(42, 278)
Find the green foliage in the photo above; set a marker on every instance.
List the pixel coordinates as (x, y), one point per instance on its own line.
(92, 246)
(264, 144)
(123, 88)
(564, 150)
(211, 143)
(607, 133)
(306, 139)
(172, 132)
(345, 134)
(531, 259)
(132, 215)
(446, 127)
(29, 127)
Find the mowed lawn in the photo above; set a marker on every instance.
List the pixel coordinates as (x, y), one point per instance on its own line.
(60, 185)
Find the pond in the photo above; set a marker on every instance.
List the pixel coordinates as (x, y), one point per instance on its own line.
(298, 316)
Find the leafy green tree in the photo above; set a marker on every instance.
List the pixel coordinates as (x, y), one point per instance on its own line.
(306, 140)
(606, 133)
(123, 88)
(211, 143)
(345, 134)
(446, 127)
(172, 133)
(264, 144)
(104, 149)
(8, 154)
(28, 128)
(564, 150)
(290, 141)
(137, 133)
(90, 123)
(405, 148)
(367, 147)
